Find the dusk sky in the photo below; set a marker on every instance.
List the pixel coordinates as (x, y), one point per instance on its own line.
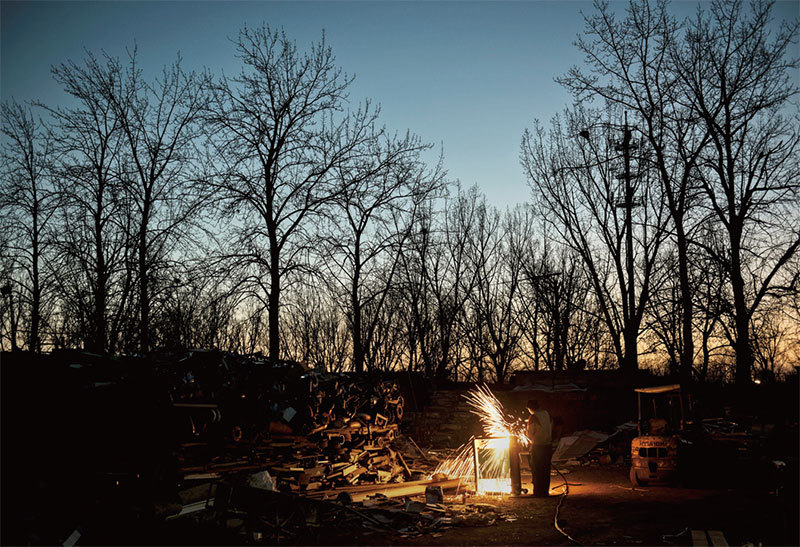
(468, 75)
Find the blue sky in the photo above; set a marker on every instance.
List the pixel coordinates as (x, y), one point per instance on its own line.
(468, 75)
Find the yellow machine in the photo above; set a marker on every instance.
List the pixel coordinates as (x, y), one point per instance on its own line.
(655, 452)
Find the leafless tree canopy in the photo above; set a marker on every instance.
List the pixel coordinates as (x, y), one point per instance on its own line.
(711, 104)
(266, 211)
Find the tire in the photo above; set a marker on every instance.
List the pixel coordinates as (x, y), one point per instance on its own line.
(398, 409)
(635, 480)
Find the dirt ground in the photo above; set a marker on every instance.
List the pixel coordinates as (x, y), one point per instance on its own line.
(603, 509)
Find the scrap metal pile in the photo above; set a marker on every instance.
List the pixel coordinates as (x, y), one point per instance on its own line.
(295, 456)
(256, 516)
(309, 430)
(158, 440)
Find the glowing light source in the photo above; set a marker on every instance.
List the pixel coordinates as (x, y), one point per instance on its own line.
(500, 485)
(491, 451)
(492, 464)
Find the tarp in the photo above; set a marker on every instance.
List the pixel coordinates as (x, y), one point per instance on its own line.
(577, 444)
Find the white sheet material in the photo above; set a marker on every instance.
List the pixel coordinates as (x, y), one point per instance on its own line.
(577, 444)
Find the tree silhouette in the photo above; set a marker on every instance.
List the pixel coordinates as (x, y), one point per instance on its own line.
(27, 202)
(737, 80)
(278, 131)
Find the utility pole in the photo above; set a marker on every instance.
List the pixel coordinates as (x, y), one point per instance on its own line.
(631, 328)
(631, 349)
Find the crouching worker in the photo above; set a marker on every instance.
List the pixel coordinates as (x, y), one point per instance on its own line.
(540, 433)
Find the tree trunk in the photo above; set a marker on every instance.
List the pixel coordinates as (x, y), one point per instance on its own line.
(358, 345)
(564, 341)
(631, 358)
(687, 352)
(97, 342)
(274, 303)
(744, 354)
(631, 329)
(441, 367)
(36, 291)
(558, 339)
(144, 293)
(500, 369)
(11, 317)
(274, 296)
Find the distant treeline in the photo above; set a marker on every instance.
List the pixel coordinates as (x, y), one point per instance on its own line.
(267, 212)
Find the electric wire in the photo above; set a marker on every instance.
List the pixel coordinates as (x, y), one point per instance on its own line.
(558, 508)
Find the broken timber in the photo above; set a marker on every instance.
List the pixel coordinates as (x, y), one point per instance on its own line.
(392, 490)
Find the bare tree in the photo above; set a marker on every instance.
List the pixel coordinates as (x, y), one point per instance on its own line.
(737, 79)
(28, 201)
(438, 278)
(372, 217)
(664, 318)
(386, 337)
(278, 133)
(412, 294)
(556, 299)
(8, 313)
(498, 254)
(94, 248)
(616, 228)
(771, 339)
(159, 122)
(315, 330)
(629, 62)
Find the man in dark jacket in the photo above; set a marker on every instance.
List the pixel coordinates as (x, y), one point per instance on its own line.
(540, 433)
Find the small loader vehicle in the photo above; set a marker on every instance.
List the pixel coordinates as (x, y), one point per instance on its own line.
(655, 452)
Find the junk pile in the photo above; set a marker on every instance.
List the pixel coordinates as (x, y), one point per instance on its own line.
(738, 439)
(310, 430)
(290, 455)
(257, 516)
(294, 456)
(215, 447)
(595, 447)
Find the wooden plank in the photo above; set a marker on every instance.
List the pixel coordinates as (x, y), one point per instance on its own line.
(717, 538)
(408, 471)
(378, 460)
(351, 478)
(229, 464)
(384, 476)
(201, 476)
(418, 448)
(349, 469)
(391, 490)
(699, 537)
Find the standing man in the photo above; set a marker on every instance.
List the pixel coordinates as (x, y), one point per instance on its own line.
(540, 434)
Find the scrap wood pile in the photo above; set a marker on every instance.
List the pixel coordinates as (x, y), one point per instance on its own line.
(309, 430)
(297, 463)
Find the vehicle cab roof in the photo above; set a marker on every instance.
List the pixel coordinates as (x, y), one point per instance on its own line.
(659, 389)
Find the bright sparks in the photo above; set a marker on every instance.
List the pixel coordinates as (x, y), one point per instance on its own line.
(495, 422)
(499, 428)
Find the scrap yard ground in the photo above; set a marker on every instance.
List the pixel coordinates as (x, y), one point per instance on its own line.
(217, 449)
(603, 509)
